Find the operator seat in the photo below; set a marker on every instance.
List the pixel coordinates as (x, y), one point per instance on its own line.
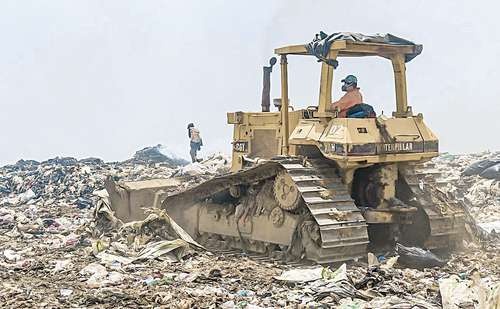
(361, 110)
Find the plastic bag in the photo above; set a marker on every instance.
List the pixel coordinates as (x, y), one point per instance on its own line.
(492, 172)
(417, 257)
(477, 168)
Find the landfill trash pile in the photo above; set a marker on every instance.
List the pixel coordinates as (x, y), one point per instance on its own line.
(475, 178)
(62, 246)
(45, 210)
(68, 181)
(157, 154)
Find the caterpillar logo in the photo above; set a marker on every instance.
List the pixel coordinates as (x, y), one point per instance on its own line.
(397, 147)
(240, 146)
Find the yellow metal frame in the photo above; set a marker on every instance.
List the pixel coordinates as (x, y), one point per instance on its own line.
(284, 105)
(354, 49)
(343, 48)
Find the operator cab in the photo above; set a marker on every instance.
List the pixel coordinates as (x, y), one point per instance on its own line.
(360, 138)
(350, 142)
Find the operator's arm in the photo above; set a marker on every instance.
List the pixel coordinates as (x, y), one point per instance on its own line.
(343, 103)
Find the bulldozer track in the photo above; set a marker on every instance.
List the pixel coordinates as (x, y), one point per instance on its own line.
(342, 228)
(324, 224)
(334, 227)
(446, 217)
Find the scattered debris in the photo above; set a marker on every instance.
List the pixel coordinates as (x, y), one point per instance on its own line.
(301, 274)
(66, 292)
(478, 167)
(61, 245)
(459, 293)
(417, 257)
(157, 154)
(492, 172)
(461, 179)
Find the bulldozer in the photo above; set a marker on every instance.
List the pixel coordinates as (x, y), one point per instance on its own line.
(306, 183)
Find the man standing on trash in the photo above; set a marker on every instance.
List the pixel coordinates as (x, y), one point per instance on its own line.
(195, 141)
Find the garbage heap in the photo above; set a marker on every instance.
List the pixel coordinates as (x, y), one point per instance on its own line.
(47, 216)
(475, 179)
(67, 181)
(157, 154)
(62, 246)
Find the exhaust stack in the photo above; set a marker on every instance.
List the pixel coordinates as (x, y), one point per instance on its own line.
(266, 87)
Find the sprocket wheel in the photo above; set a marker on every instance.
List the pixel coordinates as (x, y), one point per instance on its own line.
(286, 192)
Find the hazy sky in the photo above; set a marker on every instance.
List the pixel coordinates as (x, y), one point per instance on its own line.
(105, 78)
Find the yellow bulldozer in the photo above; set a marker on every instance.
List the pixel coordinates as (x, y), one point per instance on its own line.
(308, 184)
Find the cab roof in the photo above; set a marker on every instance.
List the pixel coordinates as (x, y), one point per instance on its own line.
(349, 44)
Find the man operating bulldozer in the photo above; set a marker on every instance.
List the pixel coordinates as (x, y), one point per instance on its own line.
(352, 97)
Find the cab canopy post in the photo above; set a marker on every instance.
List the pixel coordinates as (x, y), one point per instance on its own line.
(399, 67)
(325, 88)
(284, 105)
